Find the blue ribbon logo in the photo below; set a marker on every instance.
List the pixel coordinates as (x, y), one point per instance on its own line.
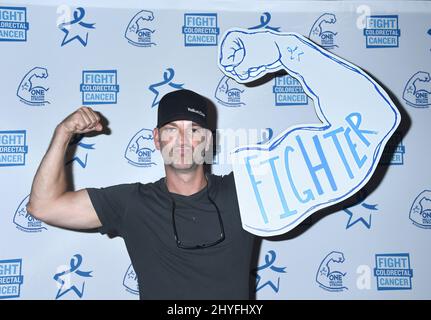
(264, 21)
(168, 75)
(80, 32)
(75, 263)
(269, 264)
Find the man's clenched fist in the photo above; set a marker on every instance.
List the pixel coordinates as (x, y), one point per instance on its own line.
(82, 120)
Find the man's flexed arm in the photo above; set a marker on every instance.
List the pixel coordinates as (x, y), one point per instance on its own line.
(49, 199)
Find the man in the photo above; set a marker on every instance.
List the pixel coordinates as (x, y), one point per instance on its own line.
(183, 232)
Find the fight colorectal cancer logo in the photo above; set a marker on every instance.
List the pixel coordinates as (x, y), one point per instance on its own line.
(13, 148)
(11, 278)
(288, 91)
(382, 32)
(200, 29)
(420, 212)
(99, 87)
(13, 24)
(393, 271)
(394, 151)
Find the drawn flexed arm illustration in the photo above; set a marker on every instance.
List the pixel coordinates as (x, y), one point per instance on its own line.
(418, 84)
(136, 28)
(326, 272)
(30, 83)
(309, 166)
(326, 18)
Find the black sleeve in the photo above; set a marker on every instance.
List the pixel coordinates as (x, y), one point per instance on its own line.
(229, 188)
(111, 205)
(229, 181)
(228, 185)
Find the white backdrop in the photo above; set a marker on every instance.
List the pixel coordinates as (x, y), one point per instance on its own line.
(64, 54)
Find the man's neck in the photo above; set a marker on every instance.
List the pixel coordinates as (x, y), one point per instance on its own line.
(185, 182)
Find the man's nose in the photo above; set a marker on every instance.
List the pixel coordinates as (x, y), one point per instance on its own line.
(185, 137)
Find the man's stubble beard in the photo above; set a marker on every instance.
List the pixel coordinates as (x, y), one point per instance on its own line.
(193, 167)
(185, 163)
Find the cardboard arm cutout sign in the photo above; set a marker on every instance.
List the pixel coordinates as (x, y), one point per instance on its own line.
(307, 167)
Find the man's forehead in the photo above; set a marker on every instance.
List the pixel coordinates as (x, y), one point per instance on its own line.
(182, 123)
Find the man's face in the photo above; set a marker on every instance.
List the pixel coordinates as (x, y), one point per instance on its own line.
(182, 143)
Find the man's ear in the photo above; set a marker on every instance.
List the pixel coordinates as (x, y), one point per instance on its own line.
(156, 138)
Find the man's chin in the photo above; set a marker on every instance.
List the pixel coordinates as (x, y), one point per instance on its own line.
(184, 167)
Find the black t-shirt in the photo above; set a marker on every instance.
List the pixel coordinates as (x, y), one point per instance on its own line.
(142, 215)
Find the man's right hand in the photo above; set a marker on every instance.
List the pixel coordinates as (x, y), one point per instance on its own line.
(82, 120)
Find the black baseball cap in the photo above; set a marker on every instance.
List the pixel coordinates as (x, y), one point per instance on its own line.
(182, 105)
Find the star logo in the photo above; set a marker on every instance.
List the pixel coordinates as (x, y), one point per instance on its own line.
(165, 86)
(360, 211)
(268, 274)
(76, 29)
(81, 154)
(72, 279)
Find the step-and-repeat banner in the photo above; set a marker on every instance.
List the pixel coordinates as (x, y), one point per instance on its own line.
(121, 58)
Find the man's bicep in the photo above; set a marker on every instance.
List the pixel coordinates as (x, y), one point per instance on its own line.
(75, 210)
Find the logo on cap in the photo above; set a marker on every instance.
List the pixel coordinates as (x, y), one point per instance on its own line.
(196, 111)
